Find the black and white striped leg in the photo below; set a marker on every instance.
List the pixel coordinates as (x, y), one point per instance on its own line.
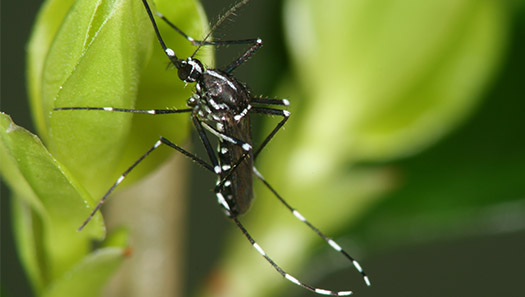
(264, 110)
(213, 159)
(162, 140)
(200, 42)
(331, 242)
(169, 52)
(271, 111)
(256, 43)
(281, 271)
(220, 182)
(206, 142)
(127, 110)
(218, 23)
(215, 164)
(270, 101)
(244, 145)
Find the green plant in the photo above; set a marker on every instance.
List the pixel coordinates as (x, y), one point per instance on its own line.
(85, 53)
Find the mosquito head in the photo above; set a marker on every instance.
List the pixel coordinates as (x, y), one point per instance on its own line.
(190, 69)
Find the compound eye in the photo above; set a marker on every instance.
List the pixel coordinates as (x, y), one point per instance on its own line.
(185, 73)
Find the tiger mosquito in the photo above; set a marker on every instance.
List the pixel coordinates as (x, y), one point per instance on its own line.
(222, 105)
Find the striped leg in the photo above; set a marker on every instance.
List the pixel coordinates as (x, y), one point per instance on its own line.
(215, 162)
(204, 42)
(162, 140)
(328, 240)
(263, 110)
(145, 111)
(217, 24)
(256, 43)
(271, 111)
(270, 101)
(281, 271)
(245, 146)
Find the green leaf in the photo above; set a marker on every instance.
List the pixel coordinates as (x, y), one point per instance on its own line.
(95, 60)
(50, 207)
(28, 240)
(104, 54)
(96, 54)
(160, 86)
(470, 184)
(46, 26)
(117, 238)
(90, 275)
(391, 78)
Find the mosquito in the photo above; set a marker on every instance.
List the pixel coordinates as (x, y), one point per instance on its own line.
(221, 106)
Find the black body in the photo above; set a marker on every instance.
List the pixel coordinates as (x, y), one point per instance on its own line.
(220, 102)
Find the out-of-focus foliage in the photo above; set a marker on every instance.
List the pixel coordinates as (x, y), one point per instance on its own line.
(372, 82)
(48, 208)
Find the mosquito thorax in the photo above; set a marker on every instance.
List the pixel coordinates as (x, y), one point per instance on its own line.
(190, 70)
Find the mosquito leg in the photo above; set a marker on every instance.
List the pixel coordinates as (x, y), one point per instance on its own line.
(145, 111)
(257, 43)
(280, 270)
(219, 22)
(245, 146)
(221, 182)
(206, 142)
(203, 42)
(270, 101)
(169, 52)
(162, 140)
(271, 111)
(216, 168)
(328, 240)
(264, 110)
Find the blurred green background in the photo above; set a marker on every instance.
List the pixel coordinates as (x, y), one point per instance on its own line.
(449, 215)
